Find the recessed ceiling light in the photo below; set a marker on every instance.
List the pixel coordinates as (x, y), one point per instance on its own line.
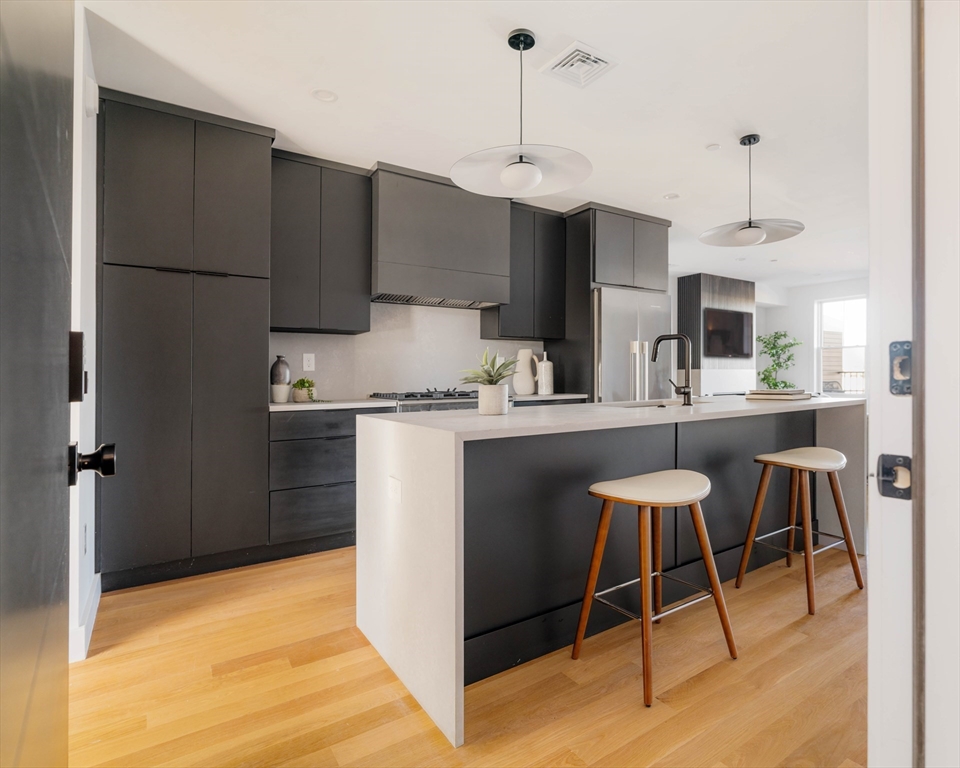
(712, 147)
(741, 258)
(671, 196)
(326, 96)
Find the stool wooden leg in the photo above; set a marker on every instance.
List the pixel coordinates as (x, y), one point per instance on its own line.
(845, 525)
(646, 618)
(792, 512)
(754, 521)
(606, 512)
(704, 540)
(807, 540)
(657, 560)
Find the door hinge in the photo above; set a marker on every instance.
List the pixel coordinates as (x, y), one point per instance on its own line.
(893, 476)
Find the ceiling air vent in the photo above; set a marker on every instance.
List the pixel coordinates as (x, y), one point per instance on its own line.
(579, 65)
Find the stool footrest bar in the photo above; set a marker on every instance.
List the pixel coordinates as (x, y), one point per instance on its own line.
(706, 594)
(800, 551)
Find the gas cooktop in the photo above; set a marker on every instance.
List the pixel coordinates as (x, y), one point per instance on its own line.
(429, 394)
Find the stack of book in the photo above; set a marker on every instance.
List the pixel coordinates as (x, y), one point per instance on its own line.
(778, 394)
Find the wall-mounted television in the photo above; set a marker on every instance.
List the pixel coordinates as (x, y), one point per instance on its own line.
(727, 333)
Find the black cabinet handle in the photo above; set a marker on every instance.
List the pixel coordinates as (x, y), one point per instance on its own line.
(103, 461)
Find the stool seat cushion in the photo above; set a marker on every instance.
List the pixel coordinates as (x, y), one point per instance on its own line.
(812, 458)
(669, 488)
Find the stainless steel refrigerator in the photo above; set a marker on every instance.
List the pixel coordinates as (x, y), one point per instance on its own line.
(625, 324)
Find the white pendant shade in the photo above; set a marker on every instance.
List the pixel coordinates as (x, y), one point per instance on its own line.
(485, 172)
(740, 233)
(521, 176)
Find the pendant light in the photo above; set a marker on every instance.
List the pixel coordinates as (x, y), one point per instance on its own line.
(752, 231)
(521, 170)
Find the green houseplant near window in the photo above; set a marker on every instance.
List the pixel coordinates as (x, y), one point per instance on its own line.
(303, 391)
(492, 397)
(778, 347)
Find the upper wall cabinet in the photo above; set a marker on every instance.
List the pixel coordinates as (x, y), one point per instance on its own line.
(147, 206)
(181, 190)
(537, 275)
(232, 205)
(630, 250)
(320, 247)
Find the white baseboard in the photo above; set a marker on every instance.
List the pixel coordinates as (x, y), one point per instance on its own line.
(80, 635)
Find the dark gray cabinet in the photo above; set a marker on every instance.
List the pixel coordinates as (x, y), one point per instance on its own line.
(145, 394)
(630, 251)
(549, 277)
(313, 457)
(147, 192)
(295, 245)
(537, 280)
(230, 413)
(345, 248)
(231, 217)
(650, 255)
(613, 249)
(321, 245)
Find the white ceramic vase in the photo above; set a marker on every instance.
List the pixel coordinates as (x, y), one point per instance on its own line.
(493, 400)
(525, 373)
(280, 393)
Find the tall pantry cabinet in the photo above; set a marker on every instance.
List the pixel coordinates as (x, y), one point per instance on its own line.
(184, 246)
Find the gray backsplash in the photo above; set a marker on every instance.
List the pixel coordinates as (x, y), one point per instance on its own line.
(407, 348)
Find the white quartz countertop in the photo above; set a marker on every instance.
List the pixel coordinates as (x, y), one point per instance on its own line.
(534, 420)
(333, 405)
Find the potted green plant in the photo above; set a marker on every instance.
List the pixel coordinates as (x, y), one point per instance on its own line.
(778, 347)
(492, 397)
(303, 391)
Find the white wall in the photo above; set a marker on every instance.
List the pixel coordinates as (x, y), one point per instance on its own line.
(84, 591)
(799, 319)
(408, 348)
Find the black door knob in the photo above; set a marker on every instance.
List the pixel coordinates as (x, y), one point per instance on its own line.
(103, 461)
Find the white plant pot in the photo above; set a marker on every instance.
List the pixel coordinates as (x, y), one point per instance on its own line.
(493, 399)
(280, 393)
(302, 395)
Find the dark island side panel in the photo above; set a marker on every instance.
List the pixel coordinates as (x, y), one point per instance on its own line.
(529, 525)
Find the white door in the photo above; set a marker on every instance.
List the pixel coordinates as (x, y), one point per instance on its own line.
(913, 699)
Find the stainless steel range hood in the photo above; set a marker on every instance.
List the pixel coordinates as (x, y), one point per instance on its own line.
(437, 245)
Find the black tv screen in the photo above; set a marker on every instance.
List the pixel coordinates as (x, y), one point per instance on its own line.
(727, 333)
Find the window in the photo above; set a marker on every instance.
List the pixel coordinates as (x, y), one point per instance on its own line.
(843, 346)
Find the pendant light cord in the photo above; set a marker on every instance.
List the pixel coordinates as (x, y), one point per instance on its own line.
(750, 185)
(521, 94)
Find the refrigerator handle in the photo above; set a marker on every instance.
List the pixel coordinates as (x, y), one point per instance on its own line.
(643, 369)
(597, 372)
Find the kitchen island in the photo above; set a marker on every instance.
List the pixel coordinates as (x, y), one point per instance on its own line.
(474, 533)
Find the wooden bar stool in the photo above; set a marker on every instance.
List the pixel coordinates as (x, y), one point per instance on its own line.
(801, 462)
(670, 488)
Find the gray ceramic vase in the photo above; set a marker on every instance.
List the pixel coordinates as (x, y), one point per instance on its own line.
(280, 371)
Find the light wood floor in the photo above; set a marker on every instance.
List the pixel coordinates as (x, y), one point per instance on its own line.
(264, 666)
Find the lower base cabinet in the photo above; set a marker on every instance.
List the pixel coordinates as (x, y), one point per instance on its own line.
(313, 468)
(306, 513)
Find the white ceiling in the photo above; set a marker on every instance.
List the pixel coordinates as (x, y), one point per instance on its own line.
(421, 84)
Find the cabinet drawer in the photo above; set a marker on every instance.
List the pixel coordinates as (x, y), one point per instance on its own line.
(306, 513)
(300, 425)
(300, 463)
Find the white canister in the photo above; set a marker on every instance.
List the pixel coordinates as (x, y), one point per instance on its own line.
(280, 393)
(493, 399)
(544, 376)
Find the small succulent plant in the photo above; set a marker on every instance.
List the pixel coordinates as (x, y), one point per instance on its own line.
(490, 371)
(304, 384)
